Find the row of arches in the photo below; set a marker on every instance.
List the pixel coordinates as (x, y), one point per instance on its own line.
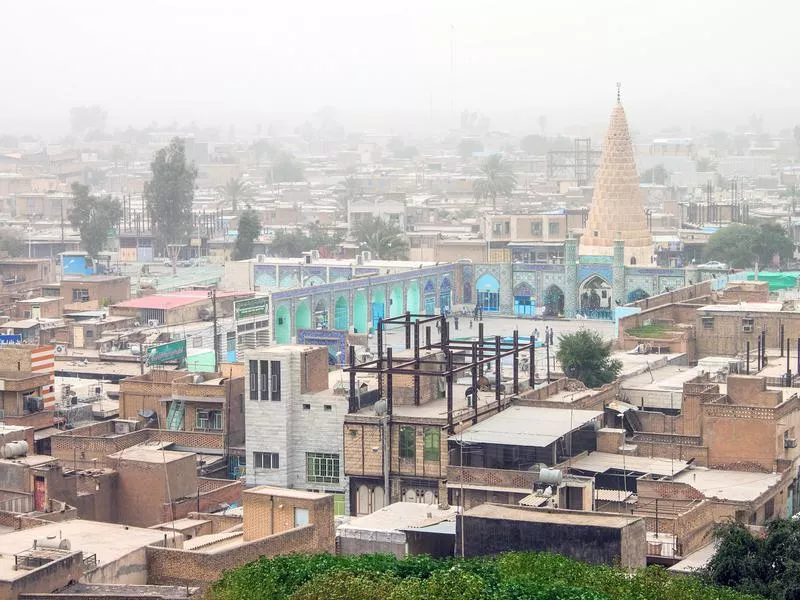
(317, 316)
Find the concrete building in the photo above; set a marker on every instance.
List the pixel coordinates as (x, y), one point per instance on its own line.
(599, 538)
(293, 421)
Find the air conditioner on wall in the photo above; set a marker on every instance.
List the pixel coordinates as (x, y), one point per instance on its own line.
(747, 328)
(790, 443)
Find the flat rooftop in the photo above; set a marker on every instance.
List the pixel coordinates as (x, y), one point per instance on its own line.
(600, 462)
(527, 426)
(268, 490)
(398, 516)
(538, 515)
(108, 541)
(149, 455)
(743, 307)
(736, 486)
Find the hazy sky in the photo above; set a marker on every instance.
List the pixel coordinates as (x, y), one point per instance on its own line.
(695, 63)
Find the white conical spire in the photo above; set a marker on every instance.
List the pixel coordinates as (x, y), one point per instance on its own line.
(617, 212)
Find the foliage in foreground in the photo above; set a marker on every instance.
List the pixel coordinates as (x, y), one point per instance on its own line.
(512, 576)
(767, 565)
(585, 356)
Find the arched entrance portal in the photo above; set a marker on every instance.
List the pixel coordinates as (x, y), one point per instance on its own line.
(360, 312)
(283, 325)
(553, 301)
(430, 297)
(320, 316)
(396, 301)
(488, 293)
(595, 297)
(378, 306)
(412, 298)
(445, 294)
(340, 316)
(524, 300)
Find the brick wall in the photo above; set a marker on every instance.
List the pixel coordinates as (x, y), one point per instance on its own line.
(168, 566)
(211, 497)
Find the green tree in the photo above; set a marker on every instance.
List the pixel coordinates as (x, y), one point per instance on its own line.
(741, 245)
(260, 149)
(497, 179)
(285, 169)
(94, 217)
(469, 146)
(585, 356)
(765, 565)
(657, 175)
(534, 144)
(11, 244)
(169, 196)
(291, 244)
(384, 240)
(248, 230)
(234, 190)
(705, 164)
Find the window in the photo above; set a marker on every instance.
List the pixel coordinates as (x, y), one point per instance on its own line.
(408, 442)
(300, 517)
(708, 322)
(322, 468)
(338, 505)
(266, 460)
(197, 342)
(89, 333)
(275, 365)
(432, 447)
(306, 407)
(747, 325)
(769, 508)
(553, 228)
(80, 295)
(327, 407)
(208, 419)
(253, 380)
(263, 378)
(536, 228)
(230, 341)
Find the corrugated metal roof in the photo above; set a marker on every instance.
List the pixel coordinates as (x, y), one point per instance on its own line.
(527, 426)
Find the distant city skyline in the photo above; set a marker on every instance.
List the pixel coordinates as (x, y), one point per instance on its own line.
(699, 66)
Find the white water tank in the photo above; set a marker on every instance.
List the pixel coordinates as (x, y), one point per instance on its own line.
(52, 542)
(14, 449)
(551, 476)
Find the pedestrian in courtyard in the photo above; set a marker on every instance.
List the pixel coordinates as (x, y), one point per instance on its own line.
(536, 334)
(552, 335)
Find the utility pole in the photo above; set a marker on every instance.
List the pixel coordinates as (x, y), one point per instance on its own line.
(213, 295)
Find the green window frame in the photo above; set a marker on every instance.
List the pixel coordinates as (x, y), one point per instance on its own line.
(432, 449)
(408, 442)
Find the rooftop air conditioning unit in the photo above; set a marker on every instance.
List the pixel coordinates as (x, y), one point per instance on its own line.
(747, 328)
(261, 257)
(153, 322)
(315, 255)
(366, 256)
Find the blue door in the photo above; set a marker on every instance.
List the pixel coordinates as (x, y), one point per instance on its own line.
(378, 309)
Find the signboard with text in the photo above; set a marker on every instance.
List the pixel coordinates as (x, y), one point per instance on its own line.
(252, 307)
(166, 353)
(10, 339)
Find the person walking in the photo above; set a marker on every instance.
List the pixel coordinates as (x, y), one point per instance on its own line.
(455, 321)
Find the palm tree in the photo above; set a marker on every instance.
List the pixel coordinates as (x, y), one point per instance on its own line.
(497, 180)
(384, 240)
(236, 189)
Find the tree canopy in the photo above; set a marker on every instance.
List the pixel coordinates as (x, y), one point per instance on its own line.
(248, 230)
(765, 565)
(741, 245)
(384, 240)
(94, 217)
(585, 356)
(534, 144)
(236, 189)
(290, 244)
(510, 576)
(11, 244)
(497, 179)
(657, 175)
(285, 168)
(169, 196)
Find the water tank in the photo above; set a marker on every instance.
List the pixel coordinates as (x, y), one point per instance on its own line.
(550, 476)
(198, 379)
(380, 408)
(14, 449)
(52, 542)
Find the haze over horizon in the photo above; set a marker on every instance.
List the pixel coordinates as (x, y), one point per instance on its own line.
(695, 65)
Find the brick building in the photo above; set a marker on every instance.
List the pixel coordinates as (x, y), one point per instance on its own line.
(175, 308)
(30, 370)
(83, 292)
